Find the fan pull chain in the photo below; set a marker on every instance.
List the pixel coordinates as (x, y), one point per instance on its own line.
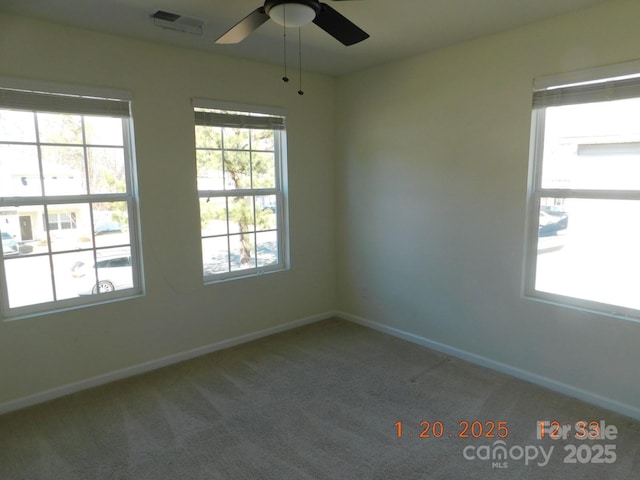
(300, 91)
(285, 79)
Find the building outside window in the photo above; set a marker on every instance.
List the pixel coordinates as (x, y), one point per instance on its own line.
(66, 174)
(240, 156)
(62, 221)
(584, 195)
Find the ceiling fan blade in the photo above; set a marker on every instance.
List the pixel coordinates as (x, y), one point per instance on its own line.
(244, 27)
(338, 26)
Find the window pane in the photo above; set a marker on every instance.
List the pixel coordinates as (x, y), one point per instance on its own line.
(103, 131)
(111, 271)
(266, 212)
(60, 128)
(215, 255)
(595, 256)
(24, 228)
(208, 137)
(111, 224)
(65, 226)
(242, 251)
(236, 139)
(28, 280)
(267, 248)
(210, 174)
(106, 170)
(213, 216)
(19, 171)
(264, 174)
(80, 273)
(237, 170)
(63, 170)
(593, 146)
(64, 265)
(241, 217)
(262, 140)
(17, 126)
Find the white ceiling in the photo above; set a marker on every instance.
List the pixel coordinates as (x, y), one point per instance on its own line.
(398, 28)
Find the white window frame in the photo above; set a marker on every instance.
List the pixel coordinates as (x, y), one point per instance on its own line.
(280, 191)
(49, 97)
(613, 82)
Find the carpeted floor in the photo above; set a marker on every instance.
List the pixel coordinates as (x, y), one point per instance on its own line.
(319, 402)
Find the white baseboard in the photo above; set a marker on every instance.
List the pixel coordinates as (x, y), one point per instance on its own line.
(589, 397)
(74, 387)
(586, 396)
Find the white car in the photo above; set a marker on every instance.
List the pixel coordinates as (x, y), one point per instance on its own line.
(110, 272)
(9, 244)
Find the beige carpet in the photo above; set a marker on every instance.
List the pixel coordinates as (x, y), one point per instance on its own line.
(320, 402)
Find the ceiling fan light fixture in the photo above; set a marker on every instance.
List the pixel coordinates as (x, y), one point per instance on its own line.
(292, 14)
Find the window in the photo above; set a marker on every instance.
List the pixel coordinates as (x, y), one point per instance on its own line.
(584, 201)
(60, 221)
(240, 159)
(67, 199)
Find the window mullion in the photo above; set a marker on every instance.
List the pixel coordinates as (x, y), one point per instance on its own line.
(590, 194)
(39, 150)
(277, 156)
(50, 253)
(85, 155)
(241, 192)
(255, 231)
(63, 199)
(226, 203)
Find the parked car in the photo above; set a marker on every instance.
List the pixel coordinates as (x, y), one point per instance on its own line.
(110, 272)
(107, 228)
(551, 221)
(9, 244)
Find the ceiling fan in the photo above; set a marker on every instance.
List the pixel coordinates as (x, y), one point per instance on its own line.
(297, 13)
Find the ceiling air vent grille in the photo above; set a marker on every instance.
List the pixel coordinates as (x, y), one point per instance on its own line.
(180, 23)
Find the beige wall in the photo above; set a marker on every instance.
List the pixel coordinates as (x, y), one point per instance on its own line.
(178, 313)
(433, 159)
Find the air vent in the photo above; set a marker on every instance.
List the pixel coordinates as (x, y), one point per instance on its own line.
(180, 23)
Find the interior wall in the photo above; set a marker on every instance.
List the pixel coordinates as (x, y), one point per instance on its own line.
(178, 313)
(433, 164)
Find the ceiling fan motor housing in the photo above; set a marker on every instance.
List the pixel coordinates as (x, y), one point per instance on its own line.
(298, 14)
(313, 4)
